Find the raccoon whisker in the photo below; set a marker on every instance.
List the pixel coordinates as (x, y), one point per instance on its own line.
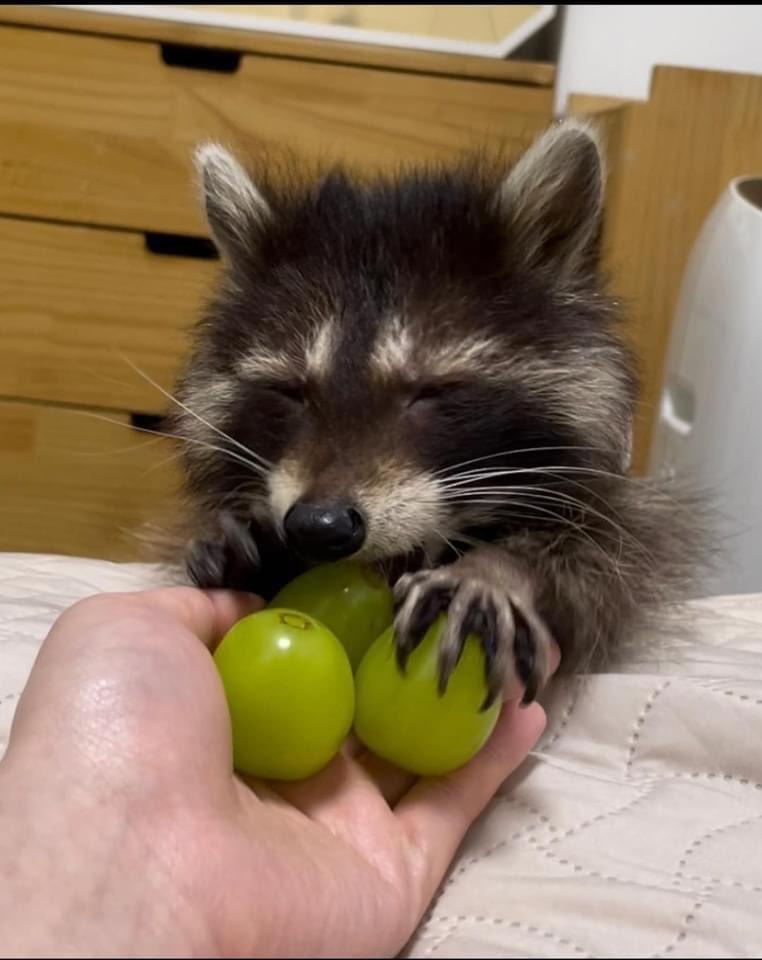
(472, 541)
(507, 503)
(118, 450)
(516, 451)
(162, 463)
(249, 453)
(450, 544)
(466, 480)
(466, 484)
(550, 488)
(513, 514)
(614, 562)
(485, 473)
(454, 488)
(508, 494)
(243, 493)
(492, 472)
(565, 521)
(581, 486)
(544, 470)
(237, 498)
(488, 472)
(505, 497)
(512, 452)
(226, 453)
(561, 499)
(545, 493)
(171, 436)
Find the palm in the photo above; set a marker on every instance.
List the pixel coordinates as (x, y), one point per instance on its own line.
(350, 857)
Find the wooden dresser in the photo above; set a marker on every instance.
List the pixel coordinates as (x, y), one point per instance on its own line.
(100, 262)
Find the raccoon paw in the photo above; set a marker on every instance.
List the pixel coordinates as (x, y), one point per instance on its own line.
(223, 557)
(485, 594)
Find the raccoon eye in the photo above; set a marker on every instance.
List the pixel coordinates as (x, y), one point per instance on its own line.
(429, 394)
(424, 404)
(432, 391)
(292, 392)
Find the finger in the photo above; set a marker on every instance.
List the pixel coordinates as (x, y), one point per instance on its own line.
(436, 813)
(342, 797)
(209, 614)
(352, 746)
(96, 664)
(391, 781)
(258, 790)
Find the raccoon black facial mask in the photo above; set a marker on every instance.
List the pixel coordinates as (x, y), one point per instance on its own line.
(423, 372)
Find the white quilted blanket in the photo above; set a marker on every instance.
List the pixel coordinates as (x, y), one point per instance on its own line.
(634, 830)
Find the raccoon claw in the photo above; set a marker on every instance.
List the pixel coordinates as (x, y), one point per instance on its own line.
(489, 601)
(419, 619)
(227, 558)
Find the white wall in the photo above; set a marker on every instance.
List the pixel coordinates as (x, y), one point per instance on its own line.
(610, 49)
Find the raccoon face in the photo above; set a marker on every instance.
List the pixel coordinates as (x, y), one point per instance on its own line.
(398, 365)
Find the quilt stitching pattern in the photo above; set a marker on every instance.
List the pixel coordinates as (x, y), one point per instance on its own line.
(639, 722)
(564, 718)
(633, 829)
(452, 924)
(686, 922)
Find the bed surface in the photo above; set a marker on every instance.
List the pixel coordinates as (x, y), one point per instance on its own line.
(633, 830)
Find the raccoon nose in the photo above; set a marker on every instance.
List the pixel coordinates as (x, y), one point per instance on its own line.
(324, 532)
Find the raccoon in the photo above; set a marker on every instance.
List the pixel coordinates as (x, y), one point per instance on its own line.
(424, 372)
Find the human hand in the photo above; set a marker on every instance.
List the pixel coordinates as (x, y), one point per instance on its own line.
(123, 831)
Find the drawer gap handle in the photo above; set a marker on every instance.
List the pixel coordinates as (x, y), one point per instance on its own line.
(214, 59)
(154, 422)
(180, 245)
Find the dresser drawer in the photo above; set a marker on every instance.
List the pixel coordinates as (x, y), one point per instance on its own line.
(76, 301)
(73, 484)
(99, 130)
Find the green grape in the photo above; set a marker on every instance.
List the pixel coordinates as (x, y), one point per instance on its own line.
(402, 717)
(288, 684)
(352, 600)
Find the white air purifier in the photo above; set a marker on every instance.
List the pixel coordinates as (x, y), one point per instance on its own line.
(709, 424)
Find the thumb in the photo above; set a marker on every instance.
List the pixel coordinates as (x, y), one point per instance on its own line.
(438, 811)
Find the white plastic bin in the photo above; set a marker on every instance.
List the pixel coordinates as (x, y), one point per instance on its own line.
(709, 424)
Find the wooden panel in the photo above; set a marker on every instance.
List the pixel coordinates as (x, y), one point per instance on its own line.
(72, 484)
(100, 131)
(593, 103)
(75, 301)
(332, 51)
(671, 160)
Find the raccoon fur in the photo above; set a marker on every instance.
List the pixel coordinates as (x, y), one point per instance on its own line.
(424, 372)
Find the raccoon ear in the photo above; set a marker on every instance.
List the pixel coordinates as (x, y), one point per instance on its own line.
(235, 209)
(553, 199)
